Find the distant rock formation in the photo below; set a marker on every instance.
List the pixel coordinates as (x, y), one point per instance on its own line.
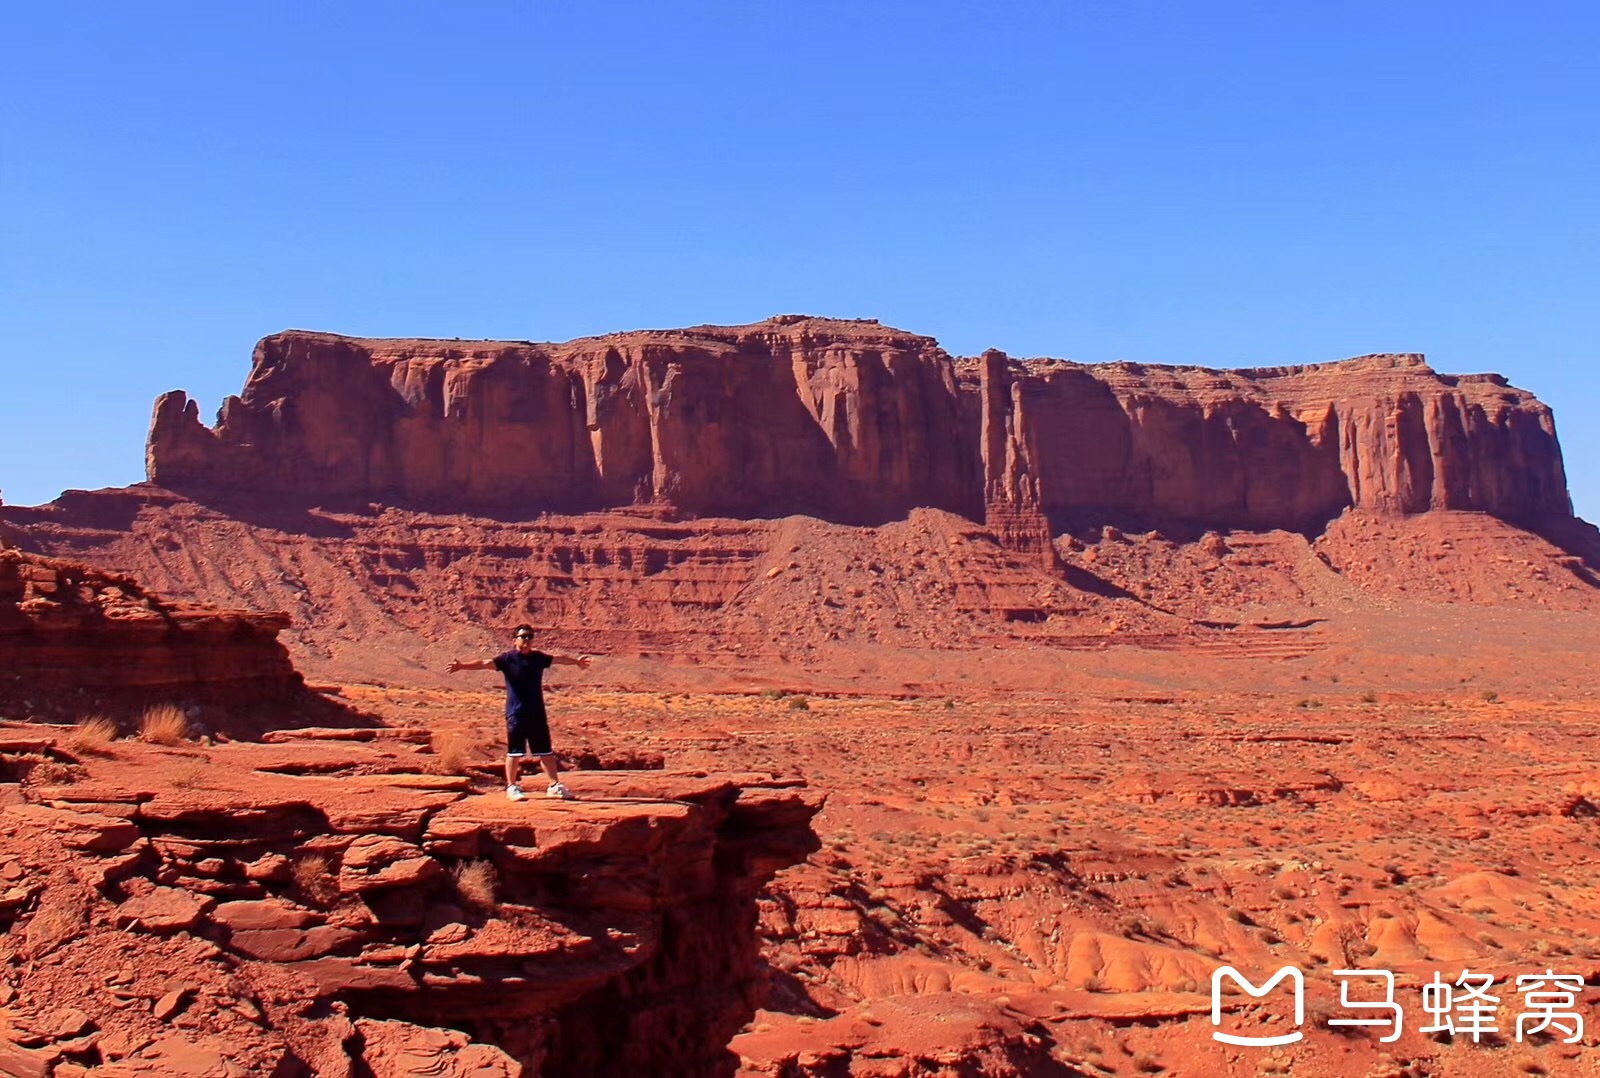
(73, 639)
(847, 421)
(855, 422)
(1284, 447)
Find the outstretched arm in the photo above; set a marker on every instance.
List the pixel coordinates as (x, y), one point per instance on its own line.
(470, 664)
(581, 661)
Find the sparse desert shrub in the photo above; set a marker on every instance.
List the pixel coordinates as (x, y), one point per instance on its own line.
(1369, 697)
(94, 736)
(1489, 697)
(799, 703)
(451, 750)
(163, 724)
(476, 883)
(1358, 948)
(949, 705)
(1131, 927)
(313, 878)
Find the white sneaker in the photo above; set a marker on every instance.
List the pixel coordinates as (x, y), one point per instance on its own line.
(514, 793)
(559, 789)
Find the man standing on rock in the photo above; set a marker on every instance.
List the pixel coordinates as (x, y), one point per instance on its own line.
(526, 726)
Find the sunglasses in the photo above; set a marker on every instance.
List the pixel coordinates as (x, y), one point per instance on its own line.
(524, 636)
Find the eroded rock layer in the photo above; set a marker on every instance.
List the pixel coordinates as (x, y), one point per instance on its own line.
(321, 903)
(389, 594)
(71, 635)
(849, 421)
(1287, 447)
(855, 422)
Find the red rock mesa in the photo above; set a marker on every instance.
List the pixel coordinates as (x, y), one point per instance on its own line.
(855, 422)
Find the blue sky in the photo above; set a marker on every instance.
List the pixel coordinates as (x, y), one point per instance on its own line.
(1232, 184)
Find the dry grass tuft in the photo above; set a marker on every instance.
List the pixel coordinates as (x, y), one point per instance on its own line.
(476, 883)
(93, 736)
(451, 751)
(313, 878)
(163, 724)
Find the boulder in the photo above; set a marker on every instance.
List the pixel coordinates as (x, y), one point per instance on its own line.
(372, 862)
(163, 909)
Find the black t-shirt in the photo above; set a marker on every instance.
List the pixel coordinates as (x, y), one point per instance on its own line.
(524, 680)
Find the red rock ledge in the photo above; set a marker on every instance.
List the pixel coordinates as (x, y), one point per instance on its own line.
(297, 907)
(75, 639)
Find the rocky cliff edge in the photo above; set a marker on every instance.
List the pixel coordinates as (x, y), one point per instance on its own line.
(329, 903)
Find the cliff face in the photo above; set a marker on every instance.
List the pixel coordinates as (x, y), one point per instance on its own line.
(848, 421)
(858, 423)
(73, 638)
(319, 903)
(1286, 447)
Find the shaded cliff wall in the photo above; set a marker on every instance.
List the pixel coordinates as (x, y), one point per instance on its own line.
(73, 638)
(858, 423)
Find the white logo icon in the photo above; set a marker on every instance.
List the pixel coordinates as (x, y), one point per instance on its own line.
(1253, 1042)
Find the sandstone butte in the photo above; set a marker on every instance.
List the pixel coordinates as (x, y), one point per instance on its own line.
(1108, 676)
(855, 422)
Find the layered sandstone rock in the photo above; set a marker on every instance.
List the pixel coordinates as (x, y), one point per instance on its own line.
(1288, 447)
(321, 904)
(846, 420)
(855, 422)
(387, 595)
(72, 636)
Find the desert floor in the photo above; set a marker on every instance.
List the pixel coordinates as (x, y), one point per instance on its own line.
(1036, 859)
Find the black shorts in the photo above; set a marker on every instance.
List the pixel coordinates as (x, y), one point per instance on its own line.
(527, 732)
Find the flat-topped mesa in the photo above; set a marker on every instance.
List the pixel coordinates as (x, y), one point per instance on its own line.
(856, 422)
(1279, 447)
(849, 421)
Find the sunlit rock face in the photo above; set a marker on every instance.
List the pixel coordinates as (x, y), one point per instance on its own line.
(855, 422)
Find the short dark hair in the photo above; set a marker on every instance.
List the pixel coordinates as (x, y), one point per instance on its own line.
(523, 629)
